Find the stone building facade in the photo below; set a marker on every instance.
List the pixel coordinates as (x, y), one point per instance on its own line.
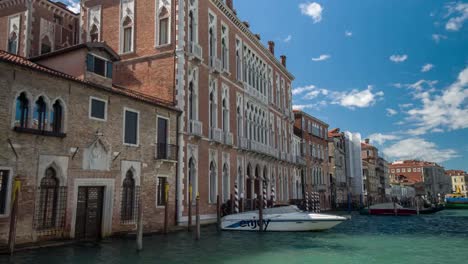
(340, 181)
(371, 182)
(459, 181)
(236, 127)
(87, 155)
(314, 138)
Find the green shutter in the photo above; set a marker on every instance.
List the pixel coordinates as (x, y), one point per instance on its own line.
(90, 62)
(109, 69)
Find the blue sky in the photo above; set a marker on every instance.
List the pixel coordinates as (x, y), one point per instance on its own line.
(387, 69)
(394, 70)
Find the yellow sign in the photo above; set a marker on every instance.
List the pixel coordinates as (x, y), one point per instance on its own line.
(16, 189)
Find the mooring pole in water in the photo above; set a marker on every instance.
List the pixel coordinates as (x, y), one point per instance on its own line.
(140, 226)
(197, 218)
(218, 213)
(189, 225)
(166, 206)
(417, 205)
(260, 215)
(232, 204)
(14, 216)
(395, 209)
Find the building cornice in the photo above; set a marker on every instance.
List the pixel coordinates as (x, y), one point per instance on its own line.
(251, 36)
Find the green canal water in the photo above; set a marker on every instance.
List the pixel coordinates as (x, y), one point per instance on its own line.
(439, 238)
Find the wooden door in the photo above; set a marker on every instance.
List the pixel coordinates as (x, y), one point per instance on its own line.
(89, 212)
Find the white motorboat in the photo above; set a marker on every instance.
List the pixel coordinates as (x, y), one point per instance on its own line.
(286, 218)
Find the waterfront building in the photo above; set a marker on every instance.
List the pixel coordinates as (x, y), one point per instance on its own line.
(33, 27)
(371, 182)
(87, 153)
(459, 181)
(428, 177)
(314, 137)
(383, 179)
(354, 166)
(340, 180)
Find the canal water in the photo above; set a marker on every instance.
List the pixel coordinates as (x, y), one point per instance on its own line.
(439, 238)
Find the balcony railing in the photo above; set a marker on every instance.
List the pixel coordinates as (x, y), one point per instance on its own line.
(228, 138)
(301, 160)
(216, 134)
(245, 143)
(196, 128)
(216, 65)
(166, 152)
(196, 51)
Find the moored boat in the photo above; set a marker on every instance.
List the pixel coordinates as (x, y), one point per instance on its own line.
(388, 209)
(284, 219)
(456, 203)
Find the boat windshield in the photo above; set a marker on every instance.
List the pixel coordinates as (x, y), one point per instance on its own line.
(282, 210)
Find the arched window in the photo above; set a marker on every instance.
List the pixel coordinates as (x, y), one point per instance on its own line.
(13, 43)
(212, 46)
(239, 123)
(191, 104)
(57, 117)
(224, 53)
(225, 114)
(213, 183)
(22, 111)
(226, 183)
(94, 33)
(127, 26)
(191, 31)
(249, 182)
(46, 45)
(39, 115)
(163, 26)
(48, 200)
(240, 182)
(128, 197)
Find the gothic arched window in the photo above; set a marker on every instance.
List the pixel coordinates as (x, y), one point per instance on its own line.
(226, 183)
(22, 111)
(48, 200)
(128, 197)
(164, 26)
(213, 183)
(127, 26)
(40, 114)
(13, 43)
(57, 117)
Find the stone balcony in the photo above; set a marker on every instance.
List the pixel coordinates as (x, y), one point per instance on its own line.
(196, 128)
(228, 138)
(216, 135)
(195, 51)
(216, 65)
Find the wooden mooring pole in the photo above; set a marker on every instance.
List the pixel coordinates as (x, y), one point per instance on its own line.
(166, 207)
(189, 225)
(218, 213)
(14, 216)
(140, 226)
(260, 214)
(197, 218)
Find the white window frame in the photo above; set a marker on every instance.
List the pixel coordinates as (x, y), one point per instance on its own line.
(138, 128)
(9, 190)
(91, 98)
(215, 32)
(157, 25)
(225, 37)
(121, 29)
(10, 18)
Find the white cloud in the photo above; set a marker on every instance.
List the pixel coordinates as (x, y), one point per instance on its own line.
(418, 148)
(314, 10)
(322, 57)
(315, 106)
(422, 84)
(302, 89)
(427, 67)
(288, 39)
(74, 6)
(357, 98)
(315, 93)
(391, 112)
(405, 105)
(398, 58)
(459, 13)
(380, 138)
(446, 110)
(348, 33)
(438, 37)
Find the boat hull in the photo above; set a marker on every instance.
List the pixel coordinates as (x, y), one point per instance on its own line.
(456, 206)
(271, 225)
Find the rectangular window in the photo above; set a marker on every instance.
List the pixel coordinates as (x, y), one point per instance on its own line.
(161, 193)
(98, 109)
(4, 183)
(99, 66)
(163, 31)
(131, 127)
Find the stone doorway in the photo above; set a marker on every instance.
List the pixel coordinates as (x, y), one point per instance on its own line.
(89, 212)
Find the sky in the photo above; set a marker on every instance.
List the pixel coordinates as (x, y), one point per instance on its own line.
(396, 71)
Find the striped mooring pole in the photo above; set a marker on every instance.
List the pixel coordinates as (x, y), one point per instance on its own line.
(307, 201)
(273, 195)
(265, 195)
(236, 199)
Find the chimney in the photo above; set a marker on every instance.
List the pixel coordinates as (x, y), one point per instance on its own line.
(246, 23)
(367, 140)
(258, 36)
(283, 60)
(229, 4)
(271, 46)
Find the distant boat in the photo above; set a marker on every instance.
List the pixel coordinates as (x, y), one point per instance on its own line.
(456, 203)
(284, 219)
(388, 209)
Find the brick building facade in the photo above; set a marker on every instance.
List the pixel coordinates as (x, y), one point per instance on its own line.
(314, 140)
(340, 181)
(87, 154)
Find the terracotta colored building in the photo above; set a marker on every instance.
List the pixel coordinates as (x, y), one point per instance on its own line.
(314, 138)
(33, 27)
